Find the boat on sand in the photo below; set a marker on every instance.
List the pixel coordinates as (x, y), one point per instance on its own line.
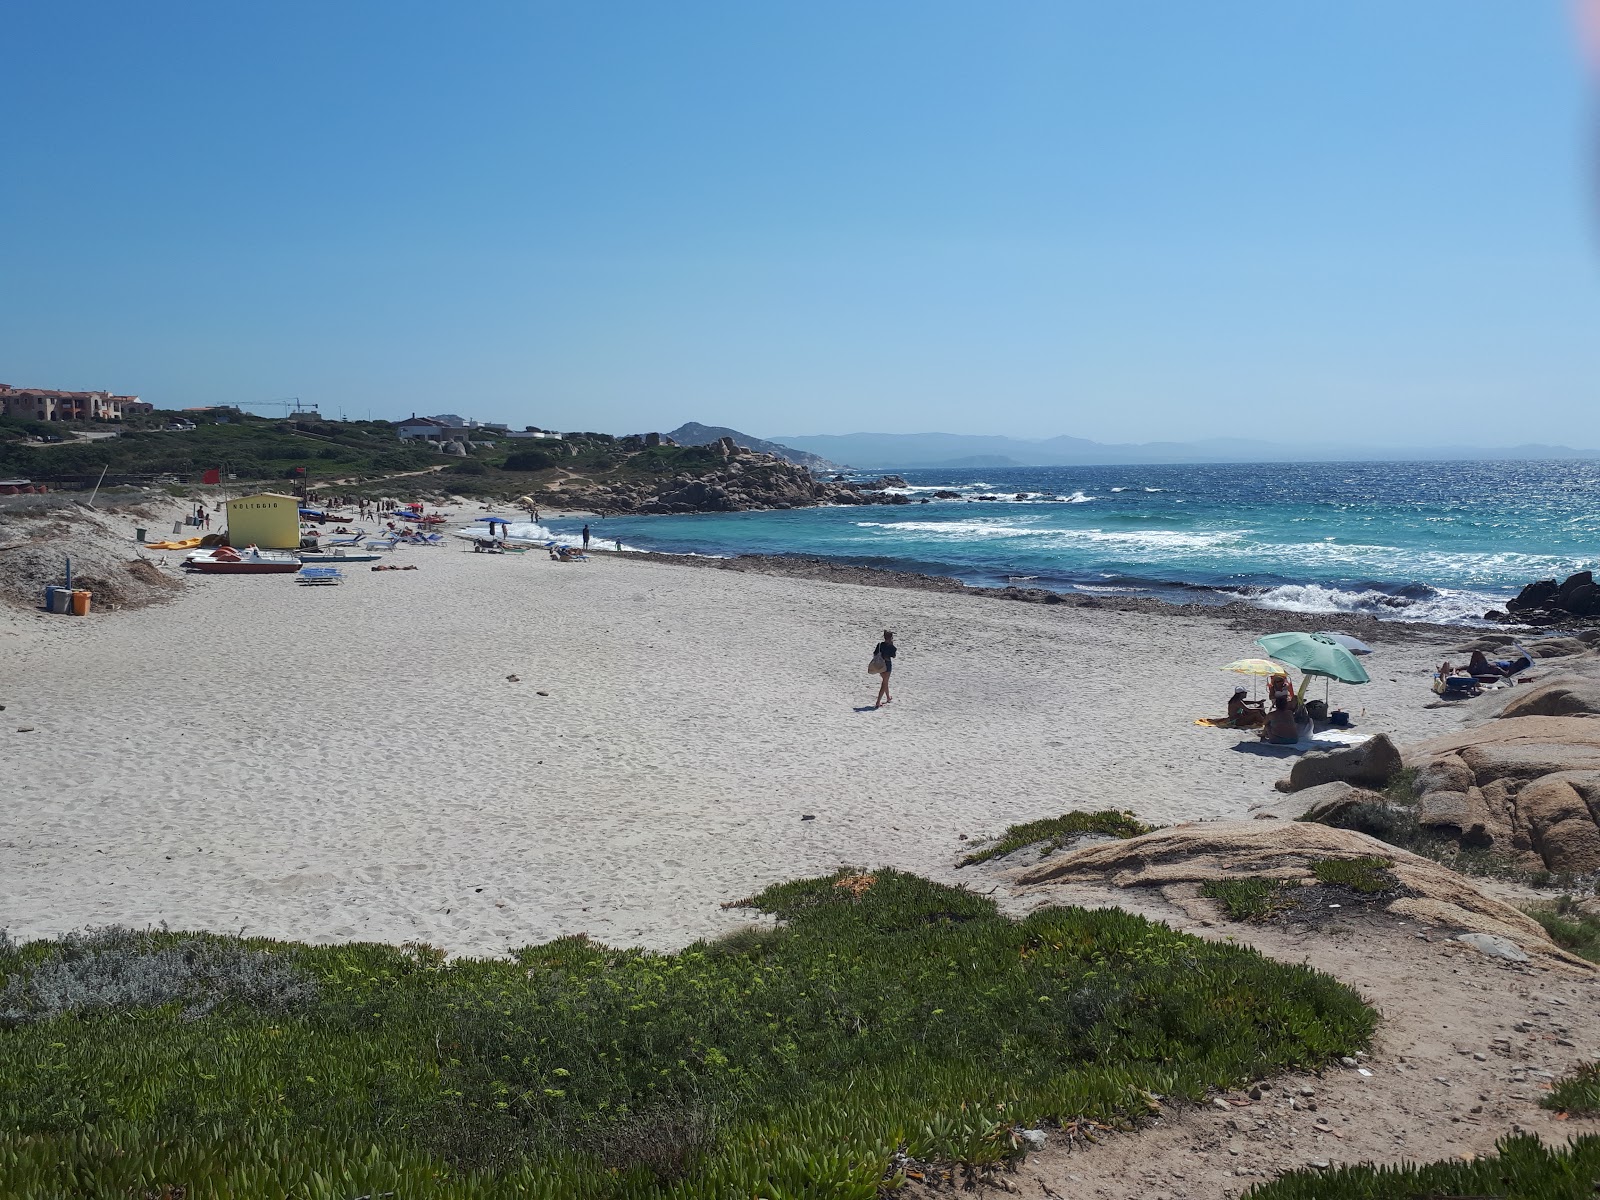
(225, 560)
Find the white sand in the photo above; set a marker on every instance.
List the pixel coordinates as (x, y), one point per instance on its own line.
(352, 763)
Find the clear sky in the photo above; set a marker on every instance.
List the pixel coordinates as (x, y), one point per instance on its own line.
(1125, 221)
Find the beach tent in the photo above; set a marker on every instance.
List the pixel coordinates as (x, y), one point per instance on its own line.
(266, 520)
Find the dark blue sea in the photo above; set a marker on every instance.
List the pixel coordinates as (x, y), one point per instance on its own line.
(1415, 541)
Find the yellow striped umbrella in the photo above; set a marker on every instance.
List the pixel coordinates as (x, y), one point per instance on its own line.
(1256, 666)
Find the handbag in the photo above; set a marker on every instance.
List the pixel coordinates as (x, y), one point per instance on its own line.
(875, 667)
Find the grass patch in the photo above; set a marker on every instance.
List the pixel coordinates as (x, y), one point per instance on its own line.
(883, 1014)
(1577, 1093)
(1368, 876)
(1248, 899)
(1524, 1169)
(1569, 926)
(1058, 831)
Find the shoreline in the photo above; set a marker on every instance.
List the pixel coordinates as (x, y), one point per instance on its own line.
(1242, 615)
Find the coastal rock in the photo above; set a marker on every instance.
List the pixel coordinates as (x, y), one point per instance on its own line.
(1316, 803)
(1546, 602)
(1371, 764)
(1223, 850)
(1534, 595)
(1526, 786)
(1558, 696)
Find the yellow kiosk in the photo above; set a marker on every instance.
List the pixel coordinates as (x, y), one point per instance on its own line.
(266, 520)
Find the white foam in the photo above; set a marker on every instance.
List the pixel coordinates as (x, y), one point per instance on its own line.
(1080, 498)
(1144, 539)
(1445, 605)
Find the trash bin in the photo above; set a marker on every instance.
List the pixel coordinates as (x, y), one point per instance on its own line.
(138, 534)
(58, 599)
(80, 603)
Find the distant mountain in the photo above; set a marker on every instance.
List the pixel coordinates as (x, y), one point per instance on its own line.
(695, 434)
(954, 450)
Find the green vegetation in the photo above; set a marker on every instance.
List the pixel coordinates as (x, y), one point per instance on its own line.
(1569, 926)
(1248, 899)
(1524, 1169)
(1577, 1093)
(1058, 831)
(253, 448)
(884, 1014)
(1368, 876)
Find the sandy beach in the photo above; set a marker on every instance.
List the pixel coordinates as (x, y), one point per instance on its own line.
(354, 763)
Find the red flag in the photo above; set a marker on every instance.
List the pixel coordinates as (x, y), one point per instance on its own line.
(214, 475)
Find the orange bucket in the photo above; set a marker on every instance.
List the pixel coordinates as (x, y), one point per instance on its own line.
(80, 603)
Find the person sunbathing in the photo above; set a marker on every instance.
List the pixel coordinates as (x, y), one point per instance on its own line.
(1281, 729)
(1479, 667)
(1243, 713)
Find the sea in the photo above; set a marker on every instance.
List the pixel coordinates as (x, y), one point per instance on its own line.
(1420, 541)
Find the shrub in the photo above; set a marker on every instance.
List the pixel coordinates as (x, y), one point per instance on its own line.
(1569, 926)
(467, 466)
(1524, 1169)
(1247, 899)
(529, 460)
(119, 970)
(1368, 876)
(1057, 831)
(1577, 1093)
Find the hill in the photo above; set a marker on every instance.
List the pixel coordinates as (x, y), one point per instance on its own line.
(692, 433)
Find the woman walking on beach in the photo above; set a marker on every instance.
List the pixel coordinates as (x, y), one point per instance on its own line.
(882, 666)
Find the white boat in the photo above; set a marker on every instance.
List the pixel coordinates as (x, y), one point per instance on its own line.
(336, 556)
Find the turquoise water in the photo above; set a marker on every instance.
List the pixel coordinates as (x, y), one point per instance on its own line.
(1418, 541)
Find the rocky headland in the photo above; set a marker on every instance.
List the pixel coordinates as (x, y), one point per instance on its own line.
(728, 478)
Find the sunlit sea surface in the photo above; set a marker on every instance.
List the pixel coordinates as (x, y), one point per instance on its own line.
(1415, 541)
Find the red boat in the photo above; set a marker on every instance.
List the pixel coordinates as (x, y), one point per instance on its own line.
(225, 560)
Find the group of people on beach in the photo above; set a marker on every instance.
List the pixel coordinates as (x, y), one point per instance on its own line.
(1283, 724)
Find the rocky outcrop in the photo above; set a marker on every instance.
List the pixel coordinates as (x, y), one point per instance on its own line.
(1526, 786)
(733, 480)
(1548, 602)
(1372, 763)
(1202, 852)
(1324, 802)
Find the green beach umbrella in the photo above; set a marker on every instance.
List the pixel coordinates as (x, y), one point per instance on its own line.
(1315, 654)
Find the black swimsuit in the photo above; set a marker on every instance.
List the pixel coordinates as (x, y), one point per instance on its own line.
(885, 651)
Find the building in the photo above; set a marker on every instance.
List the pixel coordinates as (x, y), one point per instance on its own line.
(447, 427)
(266, 519)
(531, 432)
(428, 429)
(48, 404)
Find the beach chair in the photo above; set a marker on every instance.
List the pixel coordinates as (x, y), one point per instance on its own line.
(320, 576)
(388, 543)
(353, 539)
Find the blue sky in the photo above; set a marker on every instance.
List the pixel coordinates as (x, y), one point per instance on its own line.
(1120, 221)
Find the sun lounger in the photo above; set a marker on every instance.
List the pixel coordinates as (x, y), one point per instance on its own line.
(353, 540)
(320, 576)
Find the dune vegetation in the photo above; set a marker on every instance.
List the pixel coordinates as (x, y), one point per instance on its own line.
(883, 1022)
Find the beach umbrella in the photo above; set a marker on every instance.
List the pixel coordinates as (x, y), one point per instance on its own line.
(1314, 654)
(1353, 644)
(1255, 666)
